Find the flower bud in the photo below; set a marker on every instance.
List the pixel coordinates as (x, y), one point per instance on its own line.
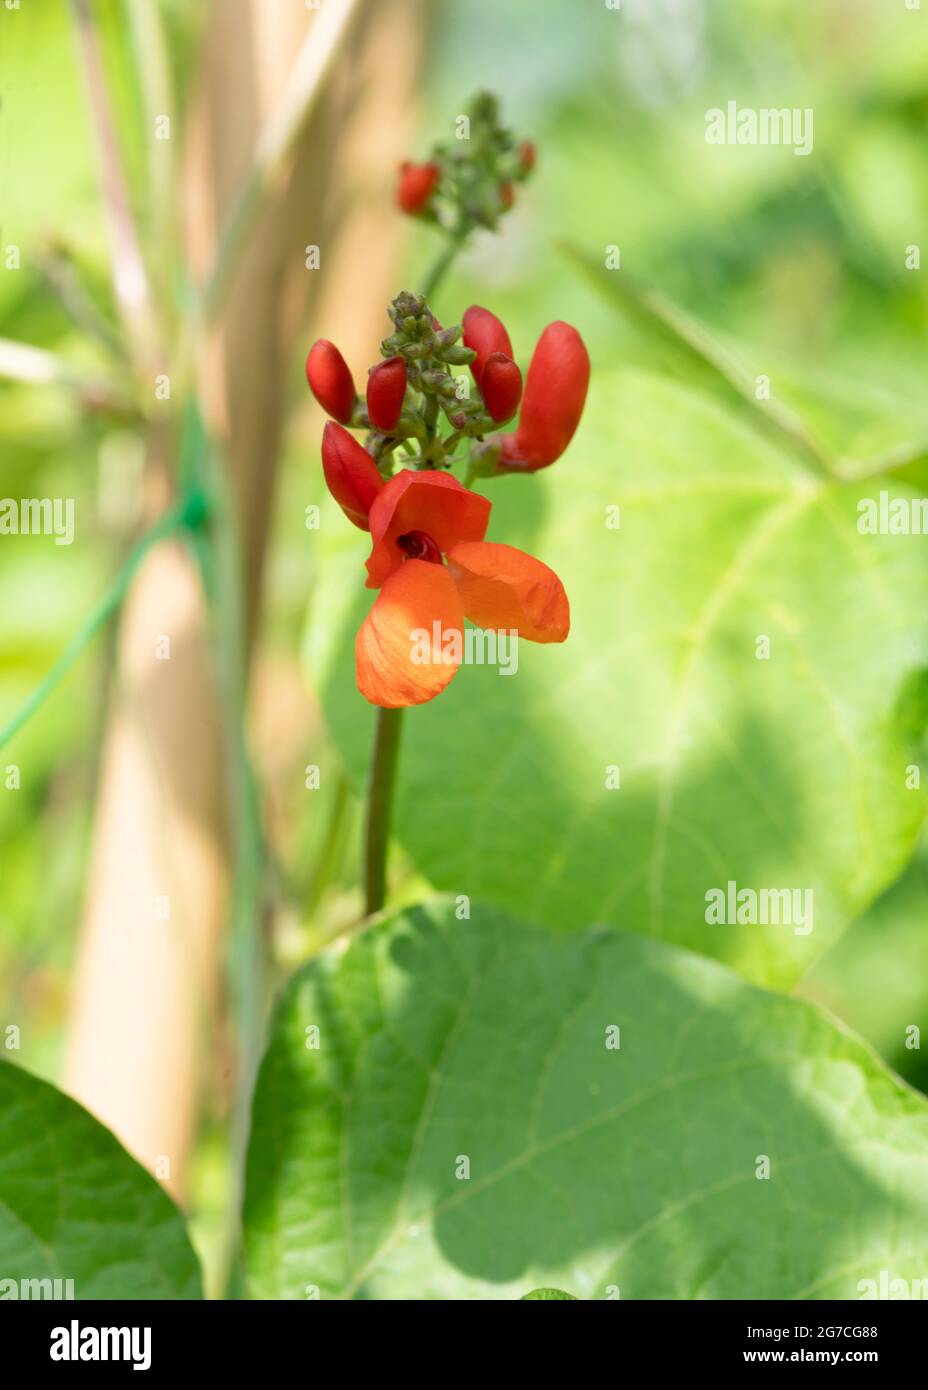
(330, 380)
(386, 388)
(416, 185)
(485, 334)
(507, 196)
(484, 458)
(501, 386)
(528, 156)
(350, 473)
(435, 380)
(457, 356)
(555, 392)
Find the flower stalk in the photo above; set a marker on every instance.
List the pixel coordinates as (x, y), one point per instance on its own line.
(429, 558)
(380, 806)
(389, 728)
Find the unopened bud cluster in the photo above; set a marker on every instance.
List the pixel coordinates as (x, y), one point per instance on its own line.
(413, 389)
(419, 414)
(468, 182)
(429, 352)
(429, 558)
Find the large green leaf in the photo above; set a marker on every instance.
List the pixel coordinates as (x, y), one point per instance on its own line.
(782, 773)
(840, 419)
(591, 1168)
(876, 978)
(75, 1206)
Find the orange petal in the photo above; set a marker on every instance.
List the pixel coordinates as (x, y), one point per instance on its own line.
(504, 588)
(410, 644)
(425, 501)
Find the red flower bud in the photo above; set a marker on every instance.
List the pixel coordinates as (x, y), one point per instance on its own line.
(416, 185)
(528, 155)
(501, 386)
(485, 334)
(555, 391)
(386, 388)
(350, 473)
(330, 380)
(507, 196)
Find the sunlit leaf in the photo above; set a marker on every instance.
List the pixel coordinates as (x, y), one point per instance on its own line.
(463, 1109)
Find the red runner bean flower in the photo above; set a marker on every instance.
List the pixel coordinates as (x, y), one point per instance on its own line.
(416, 519)
(386, 388)
(484, 333)
(330, 380)
(351, 474)
(501, 386)
(555, 392)
(415, 186)
(429, 557)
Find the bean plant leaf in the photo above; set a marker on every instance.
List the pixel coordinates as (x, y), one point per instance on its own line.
(739, 702)
(75, 1206)
(876, 978)
(835, 419)
(463, 1109)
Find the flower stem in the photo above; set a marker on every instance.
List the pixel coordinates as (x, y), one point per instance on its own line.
(380, 800)
(390, 721)
(456, 240)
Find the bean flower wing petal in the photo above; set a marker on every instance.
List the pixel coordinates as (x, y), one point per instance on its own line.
(410, 644)
(503, 588)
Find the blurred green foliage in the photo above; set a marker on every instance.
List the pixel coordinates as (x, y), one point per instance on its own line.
(798, 264)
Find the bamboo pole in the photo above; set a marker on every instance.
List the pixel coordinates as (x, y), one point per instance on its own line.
(149, 1033)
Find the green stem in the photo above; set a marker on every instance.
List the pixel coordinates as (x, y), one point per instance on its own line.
(444, 262)
(390, 721)
(329, 856)
(187, 513)
(379, 805)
